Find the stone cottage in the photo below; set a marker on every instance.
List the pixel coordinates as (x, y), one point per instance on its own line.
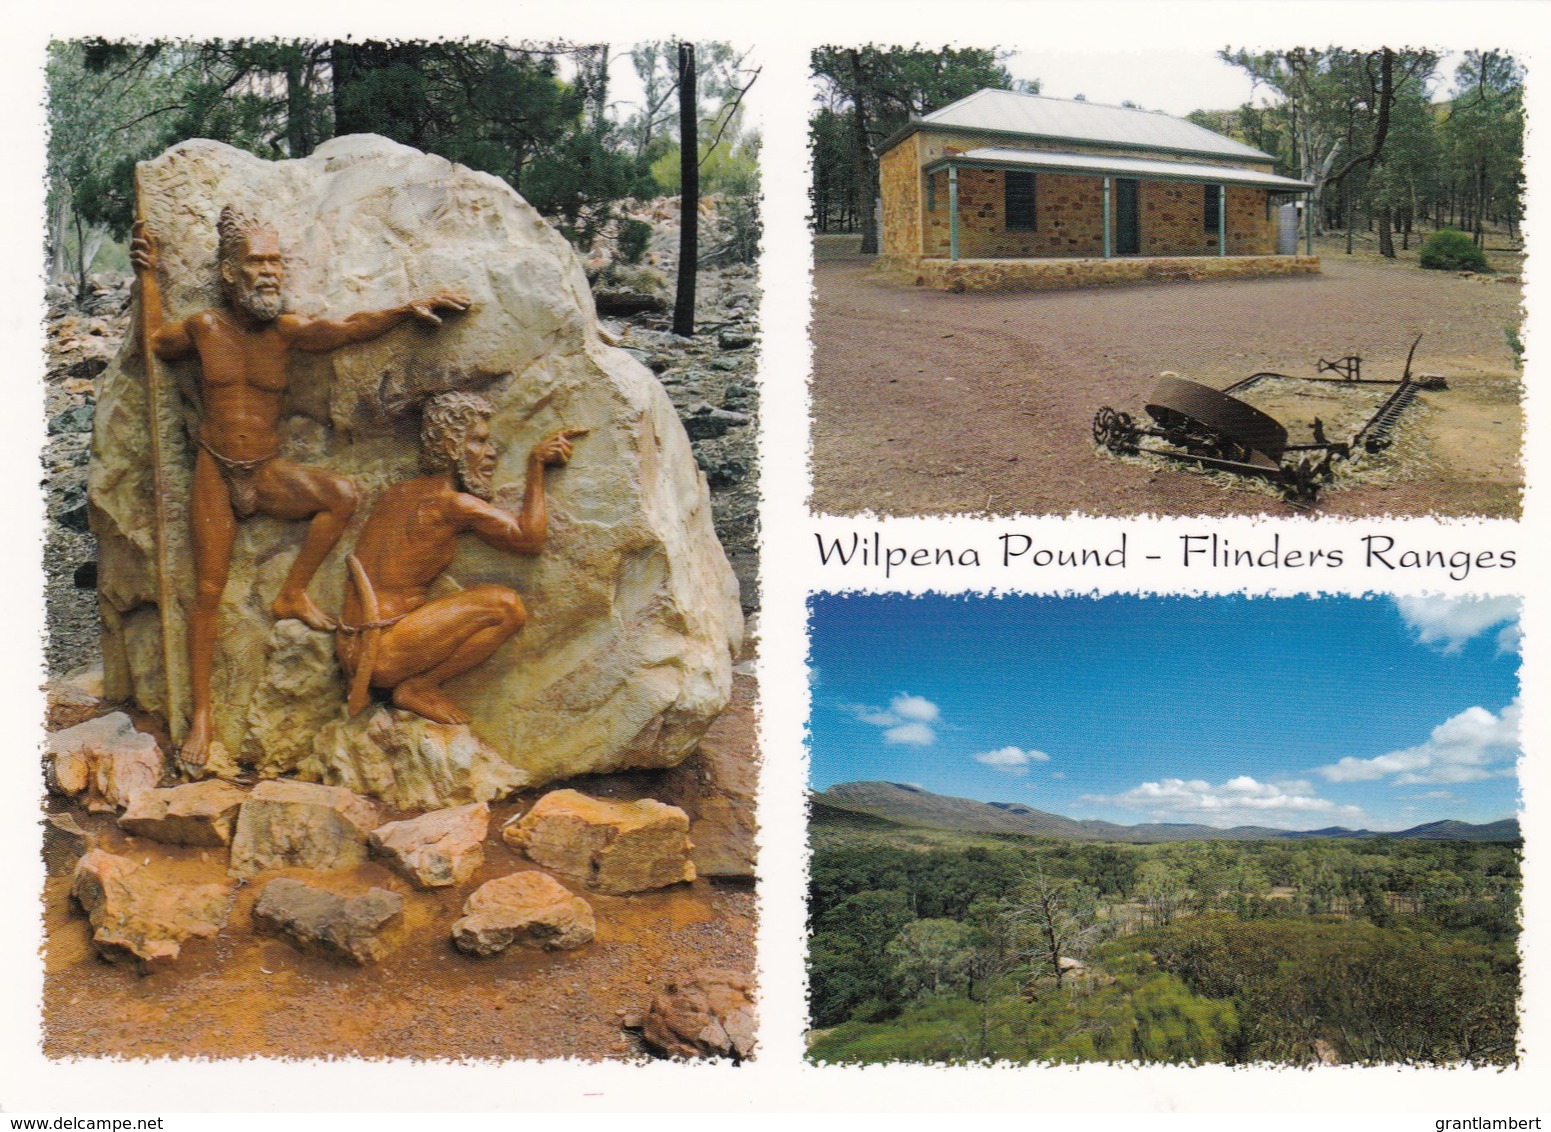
(1002, 189)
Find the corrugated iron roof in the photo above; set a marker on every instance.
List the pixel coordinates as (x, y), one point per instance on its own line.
(1007, 111)
(1121, 166)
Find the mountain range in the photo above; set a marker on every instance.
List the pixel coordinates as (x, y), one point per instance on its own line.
(878, 805)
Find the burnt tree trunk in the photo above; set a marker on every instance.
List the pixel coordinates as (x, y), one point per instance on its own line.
(689, 195)
(298, 140)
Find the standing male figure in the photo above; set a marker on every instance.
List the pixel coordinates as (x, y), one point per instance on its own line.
(392, 636)
(243, 348)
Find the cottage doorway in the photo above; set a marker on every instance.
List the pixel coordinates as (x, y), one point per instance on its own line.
(1128, 235)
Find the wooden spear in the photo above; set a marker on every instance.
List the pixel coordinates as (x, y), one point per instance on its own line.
(155, 396)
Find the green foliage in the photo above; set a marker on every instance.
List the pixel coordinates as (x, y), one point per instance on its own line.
(739, 229)
(1481, 139)
(506, 110)
(1362, 992)
(1450, 250)
(106, 107)
(1515, 344)
(1369, 122)
(867, 93)
(1140, 1016)
(848, 967)
(569, 178)
(931, 956)
(635, 236)
(1364, 950)
(730, 169)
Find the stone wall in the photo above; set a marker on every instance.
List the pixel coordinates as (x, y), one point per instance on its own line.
(1061, 274)
(1173, 221)
(1069, 218)
(899, 180)
(1069, 207)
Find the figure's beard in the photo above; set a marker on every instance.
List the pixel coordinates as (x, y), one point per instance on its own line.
(266, 306)
(476, 481)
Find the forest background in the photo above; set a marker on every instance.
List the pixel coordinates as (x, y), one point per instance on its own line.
(1394, 139)
(539, 116)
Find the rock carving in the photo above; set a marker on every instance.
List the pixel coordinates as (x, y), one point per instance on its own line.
(392, 637)
(627, 657)
(243, 349)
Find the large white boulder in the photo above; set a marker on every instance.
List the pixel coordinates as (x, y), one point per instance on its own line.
(634, 617)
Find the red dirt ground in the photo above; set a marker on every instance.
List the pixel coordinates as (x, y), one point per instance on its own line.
(926, 402)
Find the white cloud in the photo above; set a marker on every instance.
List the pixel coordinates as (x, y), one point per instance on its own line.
(1012, 760)
(903, 721)
(1473, 745)
(1058, 774)
(918, 708)
(912, 734)
(1446, 623)
(1239, 801)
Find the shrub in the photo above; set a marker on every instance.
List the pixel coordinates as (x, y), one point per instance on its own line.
(1451, 250)
(635, 236)
(1516, 344)
(740, 228)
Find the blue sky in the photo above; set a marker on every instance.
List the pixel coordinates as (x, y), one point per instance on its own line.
(1297, 713)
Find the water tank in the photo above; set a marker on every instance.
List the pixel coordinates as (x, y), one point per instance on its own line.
(1287, 229)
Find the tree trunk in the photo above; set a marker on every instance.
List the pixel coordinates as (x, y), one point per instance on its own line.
(89, 239)
(689, 194)
(1386, 238)
(96, 236)
(347, 71)
(1477, 233)
(866, 167)
(1346, 216)
(296, 110)
(59, 262)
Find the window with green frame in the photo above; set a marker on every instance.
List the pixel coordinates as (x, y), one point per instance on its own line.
(1018, 205)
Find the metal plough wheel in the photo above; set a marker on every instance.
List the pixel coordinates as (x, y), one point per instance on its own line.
(1115, 430)
(1205, 422)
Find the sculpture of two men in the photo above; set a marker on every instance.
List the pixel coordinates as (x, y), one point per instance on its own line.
(243, 348)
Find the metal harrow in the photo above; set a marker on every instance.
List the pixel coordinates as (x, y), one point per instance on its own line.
(1213, 428)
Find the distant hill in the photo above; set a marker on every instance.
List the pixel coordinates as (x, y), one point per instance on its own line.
(899, 804)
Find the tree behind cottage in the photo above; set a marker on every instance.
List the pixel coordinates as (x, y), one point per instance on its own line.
(867, 93)
(1387, 154)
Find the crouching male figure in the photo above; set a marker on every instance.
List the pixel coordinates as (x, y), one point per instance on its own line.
(391, 636)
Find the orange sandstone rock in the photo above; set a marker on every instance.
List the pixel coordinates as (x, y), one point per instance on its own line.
(614, 847)
(527, 909)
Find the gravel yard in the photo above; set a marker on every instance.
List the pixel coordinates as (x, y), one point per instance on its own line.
(926, 402)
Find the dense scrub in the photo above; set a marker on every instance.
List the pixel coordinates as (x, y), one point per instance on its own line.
(1350, 951)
